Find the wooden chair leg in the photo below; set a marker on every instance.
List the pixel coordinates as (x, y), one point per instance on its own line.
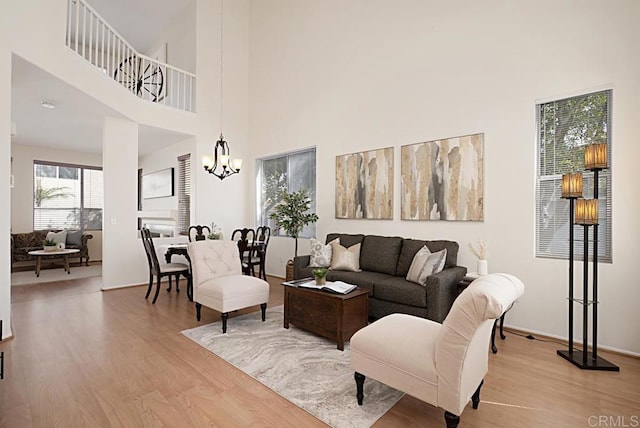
(359, 377)
(169, 287)
(198, 311)
(475, 398)
(225, 316)
(177, 283)
(263, 308)
(150, 286)
(451, 420)
(157, 291)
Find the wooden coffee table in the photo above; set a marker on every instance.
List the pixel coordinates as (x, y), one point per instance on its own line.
(64, 254)
(334, 316)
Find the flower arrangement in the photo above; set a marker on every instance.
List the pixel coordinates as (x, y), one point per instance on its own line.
(216, 232)
(479, 249)
(49, 243)
(320, 275)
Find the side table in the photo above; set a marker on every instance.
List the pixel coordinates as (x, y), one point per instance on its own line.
(464, 283)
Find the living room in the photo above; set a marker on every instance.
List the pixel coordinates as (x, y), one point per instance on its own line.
(347, 76)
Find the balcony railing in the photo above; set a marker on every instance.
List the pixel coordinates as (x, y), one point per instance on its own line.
(96, 41)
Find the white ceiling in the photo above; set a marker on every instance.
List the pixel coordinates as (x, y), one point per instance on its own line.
(76, 122)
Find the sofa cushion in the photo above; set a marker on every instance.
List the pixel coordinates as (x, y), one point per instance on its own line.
(411, 246)
(345, 258)
(399, 290)
(57, 237)
(426, 263)
(346, 240)
(74, 237)
(321, 253)
(380, 253)
(367, 280)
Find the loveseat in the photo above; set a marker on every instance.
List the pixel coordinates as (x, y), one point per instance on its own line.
(22, 243)
(384, 264)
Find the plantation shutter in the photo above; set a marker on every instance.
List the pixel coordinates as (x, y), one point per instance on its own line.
(565, 127)
(184, 193)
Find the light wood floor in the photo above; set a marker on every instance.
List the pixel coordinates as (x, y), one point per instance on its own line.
(82, 357)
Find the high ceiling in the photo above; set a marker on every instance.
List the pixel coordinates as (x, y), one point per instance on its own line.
(76, 122)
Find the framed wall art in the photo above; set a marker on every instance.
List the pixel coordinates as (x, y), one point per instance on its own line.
(364, 185)
(443, 179)
(158, 184)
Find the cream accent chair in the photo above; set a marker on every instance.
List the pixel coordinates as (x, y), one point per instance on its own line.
(441, 364)
(218, 282)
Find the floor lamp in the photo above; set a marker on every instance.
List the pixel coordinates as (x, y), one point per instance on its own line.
(586, 215)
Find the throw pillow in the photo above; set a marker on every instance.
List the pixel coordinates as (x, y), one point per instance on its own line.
(419, 260)
(345, 258)
(58, 237)
(74, 237)
(431, 264)
(320, 253)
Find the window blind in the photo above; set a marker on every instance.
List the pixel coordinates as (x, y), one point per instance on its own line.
(67, 196)
(184, 193)
(565, 127)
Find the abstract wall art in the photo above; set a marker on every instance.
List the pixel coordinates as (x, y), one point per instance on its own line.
(364, 185)
(443, 179)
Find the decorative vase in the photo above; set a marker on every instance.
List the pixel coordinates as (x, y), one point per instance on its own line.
(483, 267)
(50, 248)
(321, 280)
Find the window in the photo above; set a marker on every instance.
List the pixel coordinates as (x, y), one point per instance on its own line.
(184, 193)
(67, 196)
(565, 127)
(285, 173)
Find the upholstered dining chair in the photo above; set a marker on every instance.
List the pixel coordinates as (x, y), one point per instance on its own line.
(441, 364)
(218, 282)
(159, 271)
(197, 233)
(258, 253)
(245, 238)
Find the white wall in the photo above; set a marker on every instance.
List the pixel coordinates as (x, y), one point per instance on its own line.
(22, 193)
(351, 75)
(180, 39)
(5, 191)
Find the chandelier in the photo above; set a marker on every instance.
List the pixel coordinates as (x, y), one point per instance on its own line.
(221, 165)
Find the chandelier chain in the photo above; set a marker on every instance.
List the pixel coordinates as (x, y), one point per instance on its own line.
(221, 57)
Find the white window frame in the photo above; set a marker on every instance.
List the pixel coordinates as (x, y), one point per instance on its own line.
(552, 212)
(262, 218)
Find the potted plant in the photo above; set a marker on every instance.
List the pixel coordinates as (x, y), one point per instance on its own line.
(49, 245)
(320, 274)
(292, 214)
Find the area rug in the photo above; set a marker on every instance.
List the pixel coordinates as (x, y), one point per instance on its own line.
(306, 369)
(57, 274)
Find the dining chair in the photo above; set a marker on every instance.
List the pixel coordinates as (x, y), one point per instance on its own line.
(159, 271)
(245, 238)
(259, 251)
(196, 233)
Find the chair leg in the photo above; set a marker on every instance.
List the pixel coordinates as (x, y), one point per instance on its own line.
(169, 287)
(157, 291)
(150, 286)
(475, 398)
(451, 419)
(263, 308)
(359, 377)
(225, 316)
(190, 287)
(177, 283)
(198, 310)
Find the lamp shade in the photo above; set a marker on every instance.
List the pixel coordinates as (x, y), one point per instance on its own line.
(586, 211)
(572, 185)
(595, 156)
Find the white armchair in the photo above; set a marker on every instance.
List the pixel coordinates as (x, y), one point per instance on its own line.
(441, 364)
(218, 282)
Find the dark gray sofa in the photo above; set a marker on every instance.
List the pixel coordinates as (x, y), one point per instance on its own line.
(384, 263)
